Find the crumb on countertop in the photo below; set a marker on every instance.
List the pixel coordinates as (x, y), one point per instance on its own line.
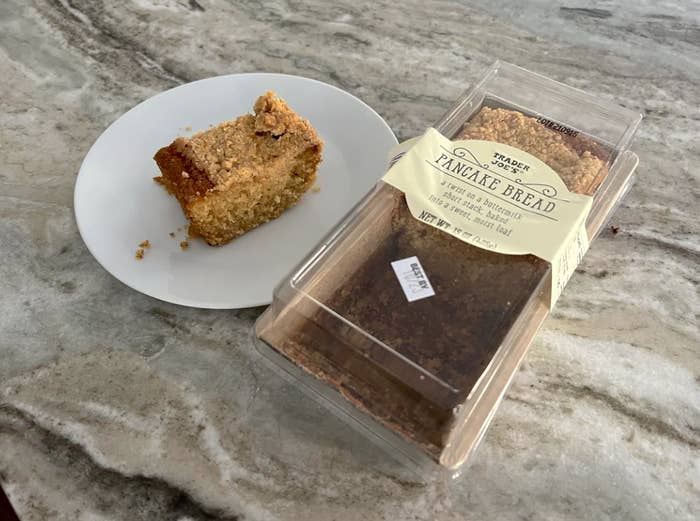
(615, 229)
(184, 245)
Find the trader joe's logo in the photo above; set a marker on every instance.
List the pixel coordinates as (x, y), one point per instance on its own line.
(509, 164)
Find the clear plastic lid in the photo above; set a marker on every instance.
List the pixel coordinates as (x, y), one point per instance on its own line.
(422, 367)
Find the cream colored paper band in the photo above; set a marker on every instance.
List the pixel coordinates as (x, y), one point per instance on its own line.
(493, 196)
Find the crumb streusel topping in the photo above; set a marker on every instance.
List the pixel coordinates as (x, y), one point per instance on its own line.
(231, 152)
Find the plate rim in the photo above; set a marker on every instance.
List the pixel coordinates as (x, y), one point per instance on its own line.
(81, 175)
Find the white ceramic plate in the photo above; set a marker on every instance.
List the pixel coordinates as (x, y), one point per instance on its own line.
(117, 204)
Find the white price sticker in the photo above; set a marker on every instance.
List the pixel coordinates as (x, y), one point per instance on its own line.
(412, 277)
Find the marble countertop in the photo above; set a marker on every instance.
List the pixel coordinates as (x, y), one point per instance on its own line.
(117, 406)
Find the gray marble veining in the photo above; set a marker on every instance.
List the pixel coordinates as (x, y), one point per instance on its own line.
(117, 406)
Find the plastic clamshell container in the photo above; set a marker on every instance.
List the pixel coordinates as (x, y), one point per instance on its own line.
(425, 378)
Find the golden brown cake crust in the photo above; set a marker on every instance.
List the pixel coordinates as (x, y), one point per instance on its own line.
(235, 150)
(575, 159)
(243, 173)
(179, 176)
